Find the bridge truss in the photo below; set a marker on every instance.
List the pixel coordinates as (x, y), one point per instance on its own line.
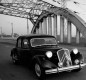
(29, 9)
(41, 12)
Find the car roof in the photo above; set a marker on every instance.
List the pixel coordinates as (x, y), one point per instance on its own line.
(35, 36)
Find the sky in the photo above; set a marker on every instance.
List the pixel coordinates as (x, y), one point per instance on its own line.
(79, 7)
(20, 24)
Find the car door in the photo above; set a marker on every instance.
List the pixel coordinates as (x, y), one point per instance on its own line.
(19, 45)
(25, 49)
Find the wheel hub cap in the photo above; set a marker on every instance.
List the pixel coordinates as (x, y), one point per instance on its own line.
(37, 70)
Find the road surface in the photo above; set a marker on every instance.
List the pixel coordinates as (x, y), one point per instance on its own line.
(9, 71)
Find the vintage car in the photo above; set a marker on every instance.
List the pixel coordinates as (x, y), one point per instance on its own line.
(45, 56)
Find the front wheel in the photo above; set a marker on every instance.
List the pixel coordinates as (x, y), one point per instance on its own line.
(39, 71)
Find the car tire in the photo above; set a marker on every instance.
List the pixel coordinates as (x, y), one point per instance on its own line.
(15, 59)
(39, 71)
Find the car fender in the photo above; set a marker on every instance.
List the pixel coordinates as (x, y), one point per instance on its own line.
(49, 65)
(45, 63)
(78, 55)
(13, 51)
(38, 58)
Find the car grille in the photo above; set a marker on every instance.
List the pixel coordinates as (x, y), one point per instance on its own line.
(64, 57)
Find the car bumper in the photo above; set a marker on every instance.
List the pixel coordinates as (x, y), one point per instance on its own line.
(57, 70)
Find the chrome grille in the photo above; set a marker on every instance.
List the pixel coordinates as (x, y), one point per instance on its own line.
(64, 57)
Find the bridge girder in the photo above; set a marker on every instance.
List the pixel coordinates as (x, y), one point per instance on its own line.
(68, 14)
(30, 9)
(36, 10)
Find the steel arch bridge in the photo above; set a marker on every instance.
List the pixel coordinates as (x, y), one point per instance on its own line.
(43, 14)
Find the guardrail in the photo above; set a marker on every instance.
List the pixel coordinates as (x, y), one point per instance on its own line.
(8, 40)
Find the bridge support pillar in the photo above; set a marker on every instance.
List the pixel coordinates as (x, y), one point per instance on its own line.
(69, 31)
(37, 31)
(61, 29)
(49, 25)
(27, 26)
(44, 27)
(77, 36)
(40, 28)
(55, 25)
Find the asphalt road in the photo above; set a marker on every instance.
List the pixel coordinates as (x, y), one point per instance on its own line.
(9, 71)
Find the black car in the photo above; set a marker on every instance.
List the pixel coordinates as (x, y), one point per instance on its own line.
(45, 56)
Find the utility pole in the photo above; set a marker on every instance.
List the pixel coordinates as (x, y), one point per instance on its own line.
(12, 30)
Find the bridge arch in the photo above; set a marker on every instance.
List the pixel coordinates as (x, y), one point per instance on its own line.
(68, 14)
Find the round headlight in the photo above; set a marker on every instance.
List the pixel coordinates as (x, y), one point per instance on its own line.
(75, 51)
(49, 54)
(76, 61)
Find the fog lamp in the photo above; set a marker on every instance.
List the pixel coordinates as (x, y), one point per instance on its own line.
(76, 61)
(60, 64)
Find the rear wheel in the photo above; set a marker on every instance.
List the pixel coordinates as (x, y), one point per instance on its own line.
(15, 59)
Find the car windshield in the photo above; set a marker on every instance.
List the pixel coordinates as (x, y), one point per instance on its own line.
(43, 41)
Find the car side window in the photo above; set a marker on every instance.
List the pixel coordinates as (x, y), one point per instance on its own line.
(25, 43)
(19, 43)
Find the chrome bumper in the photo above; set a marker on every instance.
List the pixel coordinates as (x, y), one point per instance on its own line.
(57, 70)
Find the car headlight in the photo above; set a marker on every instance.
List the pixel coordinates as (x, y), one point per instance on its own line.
(76, 61)
(75, 51)
(49, 54)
